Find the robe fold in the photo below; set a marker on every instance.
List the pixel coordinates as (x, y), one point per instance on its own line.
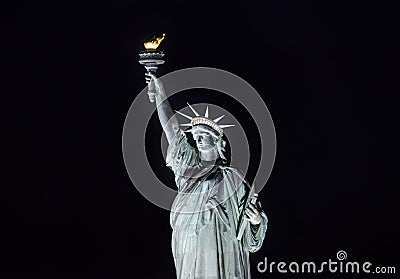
(205, 216)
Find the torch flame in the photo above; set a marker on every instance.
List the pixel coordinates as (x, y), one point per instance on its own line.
(154, 42)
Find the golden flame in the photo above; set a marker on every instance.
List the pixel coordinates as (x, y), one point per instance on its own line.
(154, 42)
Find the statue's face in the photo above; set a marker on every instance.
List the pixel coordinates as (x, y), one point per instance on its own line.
(204, 141)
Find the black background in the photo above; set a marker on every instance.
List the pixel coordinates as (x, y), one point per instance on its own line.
(325, 69)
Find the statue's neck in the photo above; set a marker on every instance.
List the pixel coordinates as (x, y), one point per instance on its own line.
(209, 156)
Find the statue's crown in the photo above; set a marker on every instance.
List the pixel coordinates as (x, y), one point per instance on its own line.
(204, 120)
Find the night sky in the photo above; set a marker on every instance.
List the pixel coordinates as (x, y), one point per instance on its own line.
(325, 69)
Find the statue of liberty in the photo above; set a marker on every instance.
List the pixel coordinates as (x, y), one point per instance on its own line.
(212, 200)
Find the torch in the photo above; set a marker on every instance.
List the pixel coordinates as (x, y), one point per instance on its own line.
(151, 58)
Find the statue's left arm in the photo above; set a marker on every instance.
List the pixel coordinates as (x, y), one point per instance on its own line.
(231, 194)
(257, 221)
(254, 234)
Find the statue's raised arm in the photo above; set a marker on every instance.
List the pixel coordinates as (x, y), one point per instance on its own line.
(168, 120)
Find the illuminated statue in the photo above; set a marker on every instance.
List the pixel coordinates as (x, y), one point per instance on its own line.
(212, 199)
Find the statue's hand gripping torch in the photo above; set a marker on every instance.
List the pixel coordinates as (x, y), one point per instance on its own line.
(151, 89)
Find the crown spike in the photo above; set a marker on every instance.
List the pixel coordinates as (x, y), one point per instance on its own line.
(218, 118)
(186, 125)
(227, 126)
(184, 115)
(206, 114)
(194, 111)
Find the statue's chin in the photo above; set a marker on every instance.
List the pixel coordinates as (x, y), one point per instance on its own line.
(204, 150)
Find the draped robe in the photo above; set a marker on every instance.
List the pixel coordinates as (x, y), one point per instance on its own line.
(205, 216)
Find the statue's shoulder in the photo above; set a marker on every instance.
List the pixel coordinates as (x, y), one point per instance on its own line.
(234, 173)
(236, 180)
